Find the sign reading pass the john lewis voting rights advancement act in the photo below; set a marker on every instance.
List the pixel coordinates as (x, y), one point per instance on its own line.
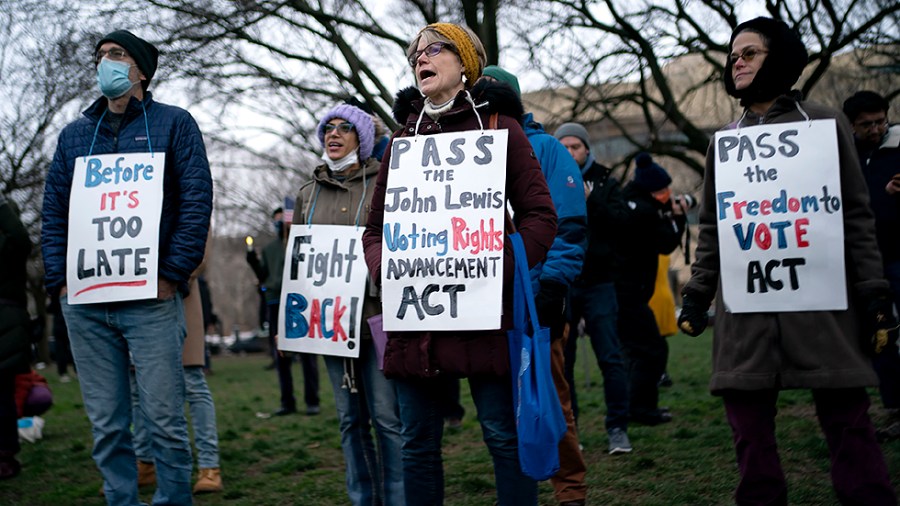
(780, 218)
(442, 249)
(322, 290)
(114, 214)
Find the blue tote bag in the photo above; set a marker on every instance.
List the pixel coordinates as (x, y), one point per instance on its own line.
(540, 423)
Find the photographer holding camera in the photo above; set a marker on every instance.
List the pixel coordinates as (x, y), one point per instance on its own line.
(654, 226)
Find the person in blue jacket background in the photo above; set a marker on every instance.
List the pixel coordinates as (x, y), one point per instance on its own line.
(552, 278)
(107, 337)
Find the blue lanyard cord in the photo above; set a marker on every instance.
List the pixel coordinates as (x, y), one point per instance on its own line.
(312, 208)
(96, 129)
(147, 127)
(363, 198)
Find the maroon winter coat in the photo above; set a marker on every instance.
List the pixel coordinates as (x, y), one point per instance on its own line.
(485, 352)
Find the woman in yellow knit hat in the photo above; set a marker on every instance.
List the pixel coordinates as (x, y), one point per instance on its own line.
(447, 61)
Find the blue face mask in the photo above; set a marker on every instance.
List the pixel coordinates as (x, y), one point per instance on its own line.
(112, 77)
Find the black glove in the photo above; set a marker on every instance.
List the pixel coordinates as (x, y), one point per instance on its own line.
(551, 303)
(252, 259)
(693, 318)
(880, 324)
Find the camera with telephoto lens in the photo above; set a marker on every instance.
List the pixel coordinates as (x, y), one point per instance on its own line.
(685, 200)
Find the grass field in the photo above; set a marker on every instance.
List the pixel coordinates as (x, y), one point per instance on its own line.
(297, 459)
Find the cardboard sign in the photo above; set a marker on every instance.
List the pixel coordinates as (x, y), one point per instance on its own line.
(780, 219)
(322, 290)
(115, 207)
(442, 249)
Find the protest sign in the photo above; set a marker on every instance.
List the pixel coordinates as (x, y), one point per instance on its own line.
(442, 249)
(780, 221)
(322, 290)
(115, 206)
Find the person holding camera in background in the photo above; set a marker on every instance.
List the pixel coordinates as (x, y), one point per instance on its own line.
(654, 226)
(878, 147)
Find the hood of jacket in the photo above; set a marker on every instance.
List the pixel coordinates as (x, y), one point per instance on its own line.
(497, 97)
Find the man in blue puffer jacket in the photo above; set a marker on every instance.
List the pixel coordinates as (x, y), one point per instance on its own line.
(552, 278)
(107, 337)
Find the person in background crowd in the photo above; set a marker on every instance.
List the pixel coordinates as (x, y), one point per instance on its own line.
(447, 60)
(662, 303)
(63, 351)
(552, 278)
(210, 320)
(107, 337)
(33, 395)
(253, 261)
(269, 272)
(15, 342)
(594, 292)
(654, 226)
(340, 193)
(757, 354)
(878, 148)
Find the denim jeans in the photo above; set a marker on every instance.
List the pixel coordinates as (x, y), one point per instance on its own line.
(203, 420)
(373, 477)
(423, 427)
(152, 332)
(598, 305)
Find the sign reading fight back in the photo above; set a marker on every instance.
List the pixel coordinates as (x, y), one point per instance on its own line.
(114, 214)
(780, 221)
(442, 250)
(322, 290)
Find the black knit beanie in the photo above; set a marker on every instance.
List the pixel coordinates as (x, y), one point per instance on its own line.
(780, 69)
(145, 55)
(648, 175)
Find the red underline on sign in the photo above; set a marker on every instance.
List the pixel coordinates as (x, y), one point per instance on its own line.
(107, 285)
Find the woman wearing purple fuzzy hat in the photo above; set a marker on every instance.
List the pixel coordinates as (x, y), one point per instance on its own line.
(340, 193)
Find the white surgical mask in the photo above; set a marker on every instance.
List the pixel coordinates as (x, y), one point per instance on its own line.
(341, 164)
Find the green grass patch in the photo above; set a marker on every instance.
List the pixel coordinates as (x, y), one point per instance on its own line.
(297, 459)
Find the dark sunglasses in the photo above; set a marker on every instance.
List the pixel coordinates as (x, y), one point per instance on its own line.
(431, 50)
(344, 128)
(748, 54)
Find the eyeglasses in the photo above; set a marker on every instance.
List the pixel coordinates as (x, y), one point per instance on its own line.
(344, 128)
(431, 50)
(868, 125)
(748, 54)
(115, 54)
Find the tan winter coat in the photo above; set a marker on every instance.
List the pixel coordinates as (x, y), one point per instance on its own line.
(813, 349)
(333, 202)
(194, 352)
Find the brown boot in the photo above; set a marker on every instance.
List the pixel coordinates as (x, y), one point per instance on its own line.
(146, 473)
(210, 480)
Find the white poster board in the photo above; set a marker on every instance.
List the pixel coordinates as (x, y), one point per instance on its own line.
(322, 290)
(442, 249)
(115, 206)
(780, 219)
